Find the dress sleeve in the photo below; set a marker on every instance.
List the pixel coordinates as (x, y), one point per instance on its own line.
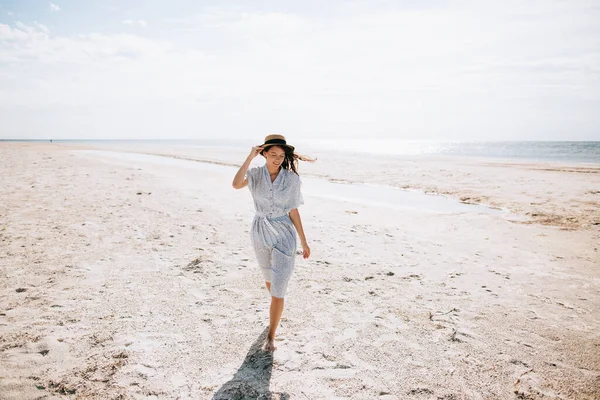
(252, 176)
(295, 193)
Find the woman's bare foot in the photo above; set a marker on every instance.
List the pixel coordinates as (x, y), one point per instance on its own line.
(270, 345)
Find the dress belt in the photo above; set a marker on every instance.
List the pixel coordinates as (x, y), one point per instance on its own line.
(268, 240)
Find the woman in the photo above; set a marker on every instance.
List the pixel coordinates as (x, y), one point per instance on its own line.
(275, 188)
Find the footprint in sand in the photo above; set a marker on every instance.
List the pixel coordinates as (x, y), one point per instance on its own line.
(506, 276)
(412, 277)
(489, 290)
(420, 391)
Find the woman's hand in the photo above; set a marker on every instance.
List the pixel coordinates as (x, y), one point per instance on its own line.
(295, 217)
(305, 250)
(254, 152)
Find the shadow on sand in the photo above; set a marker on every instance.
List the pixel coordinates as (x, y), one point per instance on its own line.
(252, 379)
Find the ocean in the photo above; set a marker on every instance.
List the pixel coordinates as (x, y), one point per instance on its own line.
(580, 152)
(555, 151)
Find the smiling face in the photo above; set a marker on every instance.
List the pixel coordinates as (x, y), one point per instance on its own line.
(275, 156)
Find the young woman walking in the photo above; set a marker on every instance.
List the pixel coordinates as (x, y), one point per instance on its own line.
(275, 188)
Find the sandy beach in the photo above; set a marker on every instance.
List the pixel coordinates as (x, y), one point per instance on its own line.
(137, 280)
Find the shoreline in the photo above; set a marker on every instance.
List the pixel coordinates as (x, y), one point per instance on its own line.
(189, 143)
(565, 219)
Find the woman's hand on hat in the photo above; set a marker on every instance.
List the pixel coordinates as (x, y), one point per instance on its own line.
(255, 151)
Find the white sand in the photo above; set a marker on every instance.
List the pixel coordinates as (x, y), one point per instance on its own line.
(107, 293)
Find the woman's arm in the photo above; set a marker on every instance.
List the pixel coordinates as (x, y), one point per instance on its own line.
(297, 221)
(240, 180)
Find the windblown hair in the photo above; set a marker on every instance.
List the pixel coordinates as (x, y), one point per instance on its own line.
(291, 158)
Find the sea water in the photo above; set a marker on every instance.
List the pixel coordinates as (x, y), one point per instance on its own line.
(546, 151)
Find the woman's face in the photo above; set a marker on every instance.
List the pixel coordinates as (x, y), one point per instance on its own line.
(275, 156)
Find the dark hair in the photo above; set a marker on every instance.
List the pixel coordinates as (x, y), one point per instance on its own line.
(291, 158)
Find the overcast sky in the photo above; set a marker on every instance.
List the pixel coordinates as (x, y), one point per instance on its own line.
(412, 69)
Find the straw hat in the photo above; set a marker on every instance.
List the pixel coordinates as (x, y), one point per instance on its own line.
(276, 140)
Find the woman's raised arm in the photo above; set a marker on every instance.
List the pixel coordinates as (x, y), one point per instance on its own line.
(240, 180)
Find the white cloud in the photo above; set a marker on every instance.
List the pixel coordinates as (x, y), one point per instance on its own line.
(12, 39)
(33, 46)
(10, 13)
(140, 22)
(466, 71)
(54, 7)
(41, 27)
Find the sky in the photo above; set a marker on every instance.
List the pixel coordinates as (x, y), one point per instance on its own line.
(376, 69)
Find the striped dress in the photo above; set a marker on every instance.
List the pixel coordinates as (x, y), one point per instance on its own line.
(273, 234)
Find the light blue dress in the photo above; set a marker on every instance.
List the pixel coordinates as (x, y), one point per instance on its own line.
(273, 234)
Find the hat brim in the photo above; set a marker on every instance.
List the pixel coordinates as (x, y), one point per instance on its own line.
(277, 144)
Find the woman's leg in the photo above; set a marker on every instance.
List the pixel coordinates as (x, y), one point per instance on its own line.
(283, 259)
(275, 317)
